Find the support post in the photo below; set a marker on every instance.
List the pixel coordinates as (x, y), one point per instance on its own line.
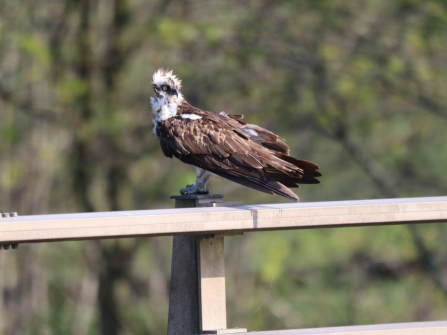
(213, 310)
(197, 303)
(14, 245)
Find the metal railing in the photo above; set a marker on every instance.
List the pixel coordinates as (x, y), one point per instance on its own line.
(197, 295)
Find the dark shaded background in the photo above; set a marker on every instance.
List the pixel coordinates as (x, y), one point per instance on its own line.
(358, 87)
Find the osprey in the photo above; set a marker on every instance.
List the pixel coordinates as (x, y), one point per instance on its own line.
(224, 145)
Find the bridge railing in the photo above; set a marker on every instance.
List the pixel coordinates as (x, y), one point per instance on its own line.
(199, 224)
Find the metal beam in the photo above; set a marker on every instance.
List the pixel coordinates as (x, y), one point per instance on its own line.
(208, 220)
(411, 328)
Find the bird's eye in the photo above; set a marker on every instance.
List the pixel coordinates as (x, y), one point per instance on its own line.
(165, 88)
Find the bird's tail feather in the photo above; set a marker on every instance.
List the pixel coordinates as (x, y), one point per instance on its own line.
(260, 182)
(297, 171)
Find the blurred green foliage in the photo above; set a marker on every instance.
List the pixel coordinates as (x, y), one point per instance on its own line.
(358, 87)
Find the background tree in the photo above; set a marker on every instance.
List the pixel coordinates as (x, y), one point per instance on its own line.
(357, 87)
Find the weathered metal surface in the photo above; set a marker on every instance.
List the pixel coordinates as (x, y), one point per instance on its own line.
(224, 331)
(213, 309)
(411, 328)
(183, 316)
(198, 278)
(184, 305)
(208, 220)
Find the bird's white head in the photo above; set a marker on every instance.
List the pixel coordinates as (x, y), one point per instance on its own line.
(167, 86)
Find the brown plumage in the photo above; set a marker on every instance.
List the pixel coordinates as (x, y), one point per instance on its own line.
(226, 146)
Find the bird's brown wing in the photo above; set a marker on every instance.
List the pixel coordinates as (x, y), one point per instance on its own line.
(257, 134)
(217, 144)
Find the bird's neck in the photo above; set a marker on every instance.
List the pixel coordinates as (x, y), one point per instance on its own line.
(165, 107)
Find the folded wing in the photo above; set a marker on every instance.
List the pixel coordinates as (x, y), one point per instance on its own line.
(244, 153)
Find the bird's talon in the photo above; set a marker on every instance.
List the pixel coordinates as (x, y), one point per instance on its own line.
(192, 189)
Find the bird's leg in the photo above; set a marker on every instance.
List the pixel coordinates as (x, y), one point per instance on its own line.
(199, 186)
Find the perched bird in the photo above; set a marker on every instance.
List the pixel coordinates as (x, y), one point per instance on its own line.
(224, 145)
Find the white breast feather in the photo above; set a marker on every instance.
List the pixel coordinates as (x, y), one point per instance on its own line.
(167, 111)
(162, 110)
(156, 104)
